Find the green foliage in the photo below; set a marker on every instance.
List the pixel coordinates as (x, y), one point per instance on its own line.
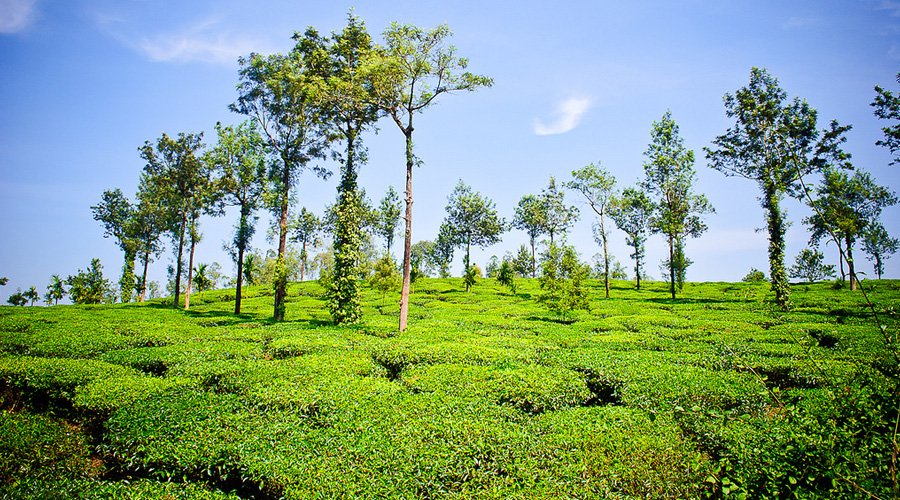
(632, 212)
(471, 219)
(598, 187)
(530, 216)
(887, 107)
(470, 277)
(562, 279)
(556, 216)
(56, 290)
(669, 176)
(506, 275)
(754, 276)
(386, 278)
(810, 266)
(524, 263)
(17, 299)
(879, 245)
(88, 286)
(388, 215)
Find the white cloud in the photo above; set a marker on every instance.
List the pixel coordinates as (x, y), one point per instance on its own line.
(567, 117)
(15, 15)
(187, 47)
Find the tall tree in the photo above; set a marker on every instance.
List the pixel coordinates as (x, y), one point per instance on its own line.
(175, 174)
(149, 224)
(387, 217)
(306, 229)
(88, 286)
(414, 68)
(771, 143)
(443, 249)
(278, 93)
(56, 290)
(557, 216)
(31, 295)
(344, 94)
(669, 177)
(239, 164)
(117, 214)
(879, 245)
(632, 212)
(597, 186)
(845, 206)
(472, 220)
(887, 107)
(529, 217)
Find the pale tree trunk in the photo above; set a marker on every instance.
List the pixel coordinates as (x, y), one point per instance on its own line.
(281, 281)
(850, 268)
(187, 292)
(240, 280)
(178, 263)
(146, 260)
(672, 266)
(605, 256)
(407, 241)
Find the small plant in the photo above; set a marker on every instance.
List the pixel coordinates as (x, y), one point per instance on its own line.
(385, 279)
(471, 276)
(506, 275)
(562, 279)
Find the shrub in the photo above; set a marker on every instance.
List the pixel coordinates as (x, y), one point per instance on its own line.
(754, 276)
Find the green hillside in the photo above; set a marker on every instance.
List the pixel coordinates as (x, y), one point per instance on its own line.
(487, 395)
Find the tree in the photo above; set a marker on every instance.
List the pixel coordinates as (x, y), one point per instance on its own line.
(597, 186)
(88, 286)
(149, 224)
(771, 143)
(442, 251)
(4, 280)
(17, 299)
(754, 276)
(343, 93)
(423, 264)
(492, 267)
(207, 276)
(845, 206)
(414, 68)
(31, 295)
(239, 162)
(278, 93)
(632, 212)
(523, 263)
(176, 176)
(529, 217)
(472, 220)
(562, 279)
(557, 216)
(118, 216)
(810, 266)
(387, 217)
(506, 275)
(385, 279)
(252, 269)
(306, 230)
(887, 107)
(669, 177)
(56, 290)
(879, 245)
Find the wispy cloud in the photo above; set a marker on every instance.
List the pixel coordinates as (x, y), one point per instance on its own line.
(567, 116)
(206, 41)
(16, 15)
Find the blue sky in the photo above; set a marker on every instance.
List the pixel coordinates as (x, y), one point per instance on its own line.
(85, 83)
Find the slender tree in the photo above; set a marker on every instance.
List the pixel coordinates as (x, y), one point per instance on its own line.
(472, 220)
(669, 177)
(879, 245)
(557, 216)
(887, 107)
(598, 187)
(56, 290)
(149, 224)
(175, 174)
(278, 92)
(845, 206)
(239, 164)
(771, 143)
(810, 265)
(443, 249)
(388, 215)
(88, 286)
(344, 94)
(117, 214)
(529, 217)
(31, 295)
(414, 68)
(306, 230)
(632, 212)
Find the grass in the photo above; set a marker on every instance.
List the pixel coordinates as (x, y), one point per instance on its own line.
(487, 395)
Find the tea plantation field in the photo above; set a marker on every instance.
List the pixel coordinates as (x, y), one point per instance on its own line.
(487, 395)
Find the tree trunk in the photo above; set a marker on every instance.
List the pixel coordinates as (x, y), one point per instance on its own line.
(187, 292)
(850, 267)
(841, 263)
(146, 262)
(468, 263)
(605, 256)
(533, 260)
(775, 220)
(240, 279)
(303, 262)
(280, 276)
(637, 267)
(126, 282)
(407, 241)
(879, 266)
(672, 266)
(179, 258)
